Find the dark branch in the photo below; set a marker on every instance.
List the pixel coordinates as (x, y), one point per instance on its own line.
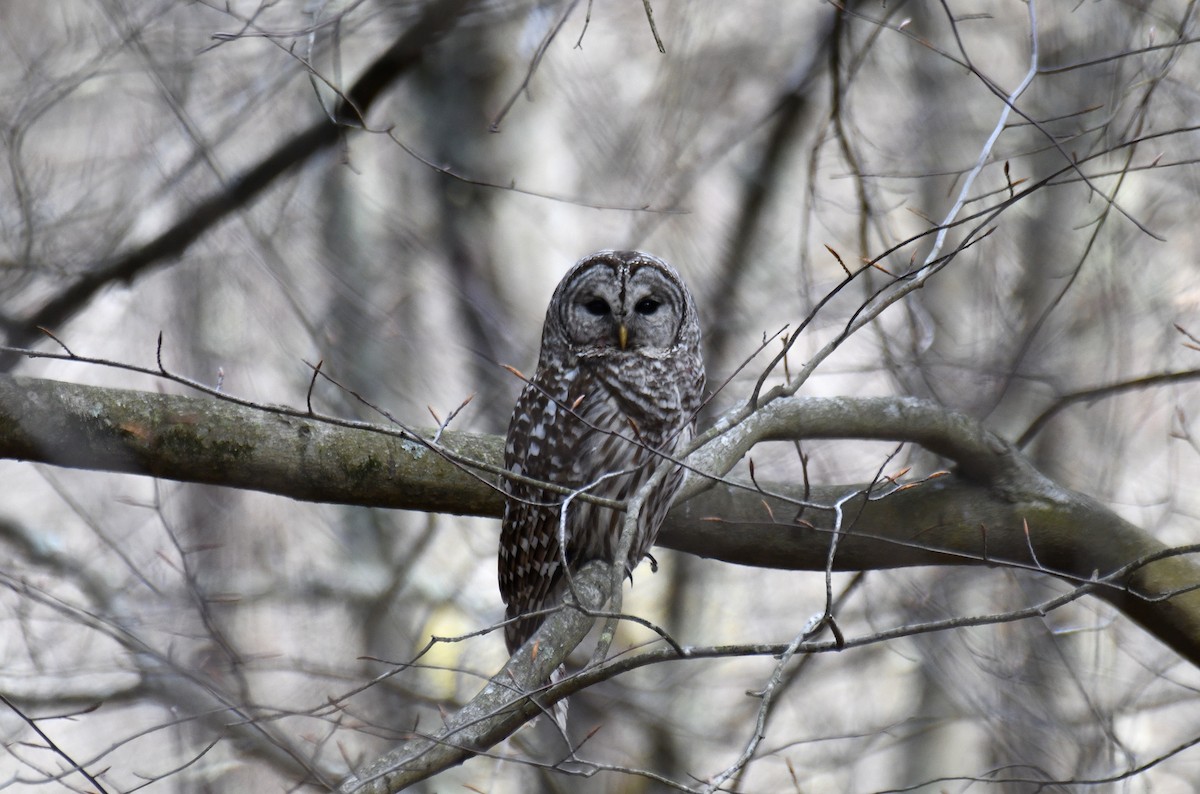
(437, 18)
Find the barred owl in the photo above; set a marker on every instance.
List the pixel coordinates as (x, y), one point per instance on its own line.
(618, 382)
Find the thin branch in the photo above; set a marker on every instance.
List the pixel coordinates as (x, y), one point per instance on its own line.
(1100, 393)
(536, 61)
(52, 745)
(435, 20)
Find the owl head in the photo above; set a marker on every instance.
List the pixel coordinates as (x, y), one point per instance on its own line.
(622, 303)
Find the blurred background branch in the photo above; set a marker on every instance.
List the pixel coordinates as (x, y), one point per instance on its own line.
(350, 112)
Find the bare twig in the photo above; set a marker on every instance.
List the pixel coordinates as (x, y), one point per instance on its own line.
(436, 19)
(1100, 393)
(53, 746)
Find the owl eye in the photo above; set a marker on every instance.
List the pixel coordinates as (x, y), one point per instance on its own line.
(647, 306)
(597, 307)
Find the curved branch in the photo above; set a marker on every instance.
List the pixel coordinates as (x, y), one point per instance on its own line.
(980, 454)
(952, 521)
(996, 510)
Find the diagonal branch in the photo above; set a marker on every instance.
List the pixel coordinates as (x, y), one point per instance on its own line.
(506, 703)
(435, 20)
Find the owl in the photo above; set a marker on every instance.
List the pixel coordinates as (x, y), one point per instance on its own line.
(619, 379)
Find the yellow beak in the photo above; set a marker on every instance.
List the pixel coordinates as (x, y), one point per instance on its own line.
(622, 335)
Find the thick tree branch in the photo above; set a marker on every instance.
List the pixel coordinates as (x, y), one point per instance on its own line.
(280, 451)
(952, 521)
(997, 509)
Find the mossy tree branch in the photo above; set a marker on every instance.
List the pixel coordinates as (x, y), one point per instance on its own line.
(996, 509)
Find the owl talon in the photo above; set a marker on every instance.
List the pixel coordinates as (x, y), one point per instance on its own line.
(653, 562)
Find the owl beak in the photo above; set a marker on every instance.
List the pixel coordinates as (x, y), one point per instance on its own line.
(622, 335)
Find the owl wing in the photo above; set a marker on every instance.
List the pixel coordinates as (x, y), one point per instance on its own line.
(561, 432)
(579, 428)
(541, 438)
